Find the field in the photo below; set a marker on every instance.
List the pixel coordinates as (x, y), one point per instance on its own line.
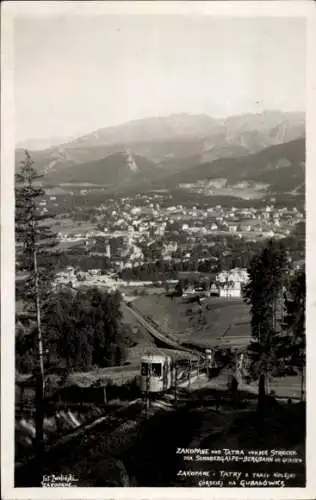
(216, 320)
(70, 227)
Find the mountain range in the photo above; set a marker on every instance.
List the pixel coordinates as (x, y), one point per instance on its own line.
(42, 143)
(182, 148)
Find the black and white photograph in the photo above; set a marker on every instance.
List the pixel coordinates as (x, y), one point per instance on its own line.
(159, 223)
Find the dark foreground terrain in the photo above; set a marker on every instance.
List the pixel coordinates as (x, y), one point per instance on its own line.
(141, 451)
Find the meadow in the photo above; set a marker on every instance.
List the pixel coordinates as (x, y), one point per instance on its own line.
(213, 321)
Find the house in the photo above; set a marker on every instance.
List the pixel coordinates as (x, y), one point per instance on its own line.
(136, 254)
(230, 290)
(230, 283)
(169, 248)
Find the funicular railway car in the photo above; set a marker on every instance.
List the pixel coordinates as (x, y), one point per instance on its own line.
(157, 373)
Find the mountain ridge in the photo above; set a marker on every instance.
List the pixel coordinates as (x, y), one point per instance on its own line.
(264, 119)
(267, 166)
(281, 167)
(179, 145)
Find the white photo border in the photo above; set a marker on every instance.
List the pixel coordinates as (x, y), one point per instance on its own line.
(249, 9)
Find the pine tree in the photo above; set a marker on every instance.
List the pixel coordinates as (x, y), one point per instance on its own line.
(294, 323)
(267, 273)
(34, 241)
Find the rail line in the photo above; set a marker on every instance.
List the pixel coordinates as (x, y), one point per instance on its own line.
(111, 418)
(157, 335)
(115, 416)
(89, 433)
(170, 342)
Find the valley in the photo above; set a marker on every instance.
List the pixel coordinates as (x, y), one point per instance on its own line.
(162, 217)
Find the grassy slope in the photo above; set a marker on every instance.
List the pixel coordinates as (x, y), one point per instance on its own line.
(218, 317)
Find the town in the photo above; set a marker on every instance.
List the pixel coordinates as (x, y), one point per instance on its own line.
(131, 232)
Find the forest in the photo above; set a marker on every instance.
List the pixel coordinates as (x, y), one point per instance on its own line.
(82, 329)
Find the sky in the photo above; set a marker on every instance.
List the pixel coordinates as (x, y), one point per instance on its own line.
(76, 75)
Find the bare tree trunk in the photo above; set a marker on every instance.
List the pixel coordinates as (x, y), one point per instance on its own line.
(39, 404)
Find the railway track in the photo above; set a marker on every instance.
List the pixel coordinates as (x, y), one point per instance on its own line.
(85, 436)
(73, 446)
(114, 418)
(167, 341)
(171, 343)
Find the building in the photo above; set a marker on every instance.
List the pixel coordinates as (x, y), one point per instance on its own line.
(230, 283)
(169, 248)
(66, 276)
(136, 254)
